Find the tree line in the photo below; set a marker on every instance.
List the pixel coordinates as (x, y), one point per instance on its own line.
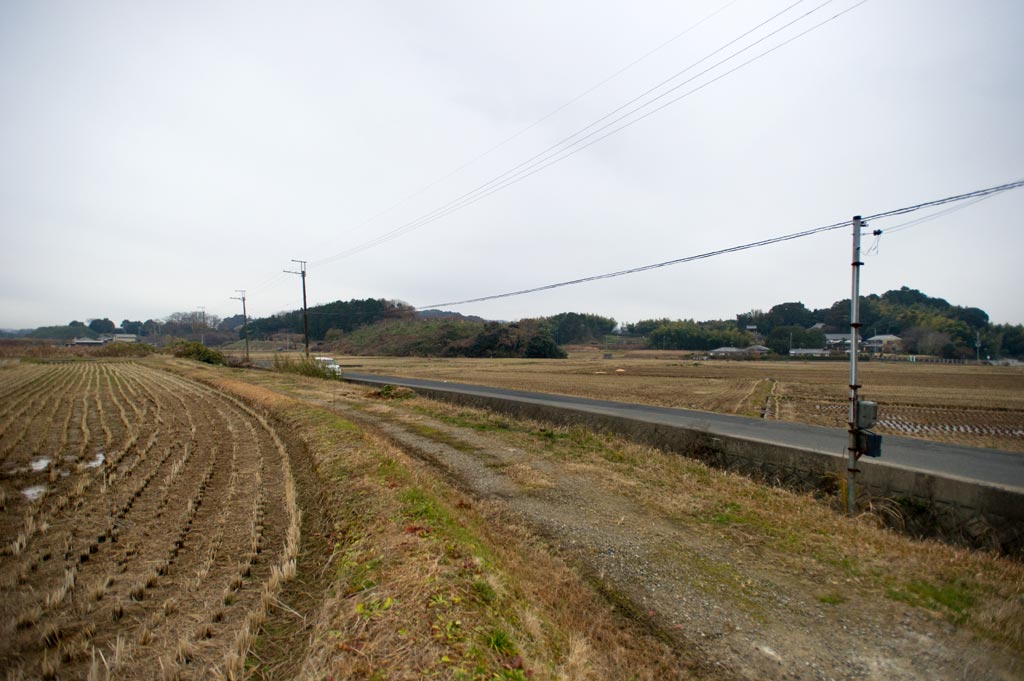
(926, 325)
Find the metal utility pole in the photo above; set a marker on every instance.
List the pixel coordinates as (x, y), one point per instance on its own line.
(245, 320)
(305, 314)
(862, 414)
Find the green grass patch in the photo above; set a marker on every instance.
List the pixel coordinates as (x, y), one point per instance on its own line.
(442, 437)
(328, 421)
(393, 392)
(832, 599)
(484, 591)
(374, 607)
(847, 564)
(730, 514)
(499, 641)
(484, 422)
(956, 598)
(355, 570)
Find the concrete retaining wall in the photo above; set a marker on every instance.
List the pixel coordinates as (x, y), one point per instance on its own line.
(920, 503)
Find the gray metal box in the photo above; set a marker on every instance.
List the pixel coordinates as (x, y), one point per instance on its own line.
(867, 415)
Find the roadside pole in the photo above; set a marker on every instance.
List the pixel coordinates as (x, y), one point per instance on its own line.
(245, 321)
(853, 449)
(305, 314)
(862, 414)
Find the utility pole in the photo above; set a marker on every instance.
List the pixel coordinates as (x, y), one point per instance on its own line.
(977, 345)
(862, 414)
(245, 320)
(202, 333)
(305, 314)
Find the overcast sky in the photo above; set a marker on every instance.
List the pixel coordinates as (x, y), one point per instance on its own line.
(156, 156)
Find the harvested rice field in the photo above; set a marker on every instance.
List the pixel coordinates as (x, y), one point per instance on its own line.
(148, 522)
(978, 406)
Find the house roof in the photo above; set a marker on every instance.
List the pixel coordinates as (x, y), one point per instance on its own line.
(759, 348)
(885, 337)
(726, 349)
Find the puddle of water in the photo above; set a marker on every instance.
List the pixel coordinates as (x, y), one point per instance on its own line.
(39, 464)
(97, 460)
(34, 492)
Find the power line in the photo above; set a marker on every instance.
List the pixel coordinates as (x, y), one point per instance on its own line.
(565, 153)
(553, 154)
(978, 194)
(535, 123)
(938, 214)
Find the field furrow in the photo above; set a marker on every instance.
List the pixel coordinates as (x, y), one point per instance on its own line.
(159, 545)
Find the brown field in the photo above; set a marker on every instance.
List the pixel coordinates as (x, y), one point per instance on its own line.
(979, 406)
(148, 522)
(167, 519)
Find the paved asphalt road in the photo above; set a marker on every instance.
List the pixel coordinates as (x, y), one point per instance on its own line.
(983, 465)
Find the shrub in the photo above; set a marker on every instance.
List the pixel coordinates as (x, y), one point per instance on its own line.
(197, 351)
(393, 392)
(304, 367)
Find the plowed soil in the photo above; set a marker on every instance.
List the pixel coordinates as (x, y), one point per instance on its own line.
(147, 521)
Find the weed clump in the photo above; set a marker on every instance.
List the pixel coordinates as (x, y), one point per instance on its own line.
(197, 351)
(393, 392)
(303, 367)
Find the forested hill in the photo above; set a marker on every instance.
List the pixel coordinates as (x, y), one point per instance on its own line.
(926, 325)
(342, 316)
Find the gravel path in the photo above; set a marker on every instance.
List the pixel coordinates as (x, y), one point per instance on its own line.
(742, 616)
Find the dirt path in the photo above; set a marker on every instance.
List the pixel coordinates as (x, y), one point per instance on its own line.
(744, 613)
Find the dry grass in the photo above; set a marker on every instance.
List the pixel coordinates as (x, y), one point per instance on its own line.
(388, 574)
(425, 580)
(991, 399)
(789, 533)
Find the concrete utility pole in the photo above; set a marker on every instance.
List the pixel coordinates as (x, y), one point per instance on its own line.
(245, 320)
(202, 333)
(305, 314)
(862, 414)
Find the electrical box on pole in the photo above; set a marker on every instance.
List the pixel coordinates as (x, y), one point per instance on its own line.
(867, 415)
(863, 414)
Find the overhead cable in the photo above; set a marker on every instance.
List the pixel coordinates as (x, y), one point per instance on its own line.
(561, 150)
(981, 193)
(534, 124)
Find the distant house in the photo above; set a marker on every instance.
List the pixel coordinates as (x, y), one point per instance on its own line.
(838, 341)
(726, 352)
(817, 327)
(124, 338)
(87, 341)
(884, 344)
(808, 352)
(757, 350)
